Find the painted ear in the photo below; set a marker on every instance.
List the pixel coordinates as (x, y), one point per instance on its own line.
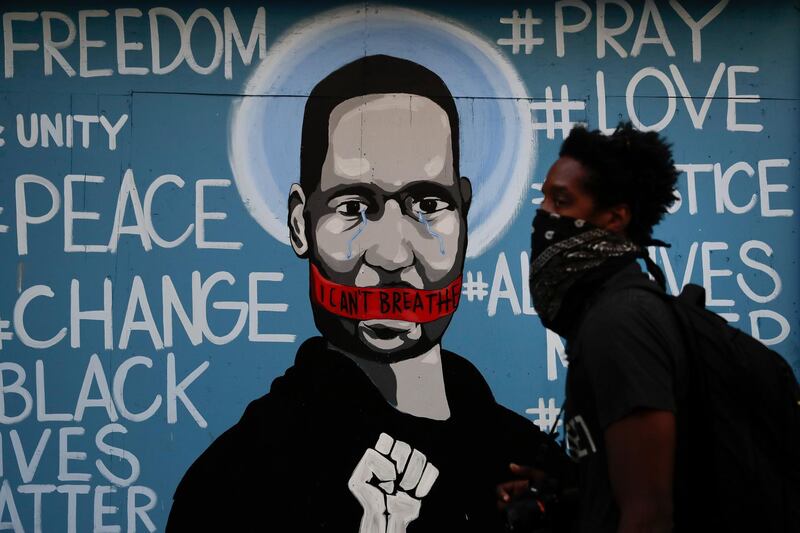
(296, 222)
(466, 193)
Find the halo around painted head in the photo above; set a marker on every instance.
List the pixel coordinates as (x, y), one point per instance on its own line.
(497, 145)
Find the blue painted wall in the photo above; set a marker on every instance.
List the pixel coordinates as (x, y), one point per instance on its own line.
(727, 100)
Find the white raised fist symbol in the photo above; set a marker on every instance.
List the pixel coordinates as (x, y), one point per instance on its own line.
(390, 505)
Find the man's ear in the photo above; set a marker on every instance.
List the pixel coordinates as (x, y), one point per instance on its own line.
(618, 217)
(466, 193)
(296, 222)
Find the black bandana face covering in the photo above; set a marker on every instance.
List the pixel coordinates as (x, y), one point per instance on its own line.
(566, 250)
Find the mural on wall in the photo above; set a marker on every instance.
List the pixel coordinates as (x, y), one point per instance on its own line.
(335, 199)
(380, 213)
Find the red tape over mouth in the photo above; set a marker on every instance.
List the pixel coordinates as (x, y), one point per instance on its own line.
(394, 303)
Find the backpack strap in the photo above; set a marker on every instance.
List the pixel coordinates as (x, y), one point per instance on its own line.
(694, 295)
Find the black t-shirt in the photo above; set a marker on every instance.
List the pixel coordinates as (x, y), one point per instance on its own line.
(626, 354)
(286, 465)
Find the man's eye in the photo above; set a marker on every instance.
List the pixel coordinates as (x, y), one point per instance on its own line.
(429, 205)
(351, 208)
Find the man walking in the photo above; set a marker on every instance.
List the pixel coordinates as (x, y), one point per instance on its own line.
(625, 391)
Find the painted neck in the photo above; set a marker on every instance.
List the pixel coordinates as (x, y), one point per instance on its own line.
(413, 386)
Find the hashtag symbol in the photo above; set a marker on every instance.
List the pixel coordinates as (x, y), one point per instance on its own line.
(3, 229)
(4, 335)
(546, 414)
(517, 39)
(475, 288)
(537, 187)
(564, 106)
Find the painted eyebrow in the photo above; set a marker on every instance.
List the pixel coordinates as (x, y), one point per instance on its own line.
(414, 190)
(350, 189)
(427, 188)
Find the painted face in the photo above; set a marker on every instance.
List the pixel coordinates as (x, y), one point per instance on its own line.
(388, 212)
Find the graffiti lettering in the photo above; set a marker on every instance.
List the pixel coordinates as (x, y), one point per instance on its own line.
(226, 36)
(17, 402)
(196, 327)
(128, 195)
(136, 508)
(732, 102)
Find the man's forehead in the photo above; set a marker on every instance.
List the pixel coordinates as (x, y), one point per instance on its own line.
(382, 104)
(388, 140)
(566, 173)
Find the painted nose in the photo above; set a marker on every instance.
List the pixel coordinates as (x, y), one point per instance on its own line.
(389, 248)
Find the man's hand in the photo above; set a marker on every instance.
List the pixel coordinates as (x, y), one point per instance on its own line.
(525, 478)
(373, 483)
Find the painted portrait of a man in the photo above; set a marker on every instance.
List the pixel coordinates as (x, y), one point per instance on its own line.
(315, 266)
(375, 427)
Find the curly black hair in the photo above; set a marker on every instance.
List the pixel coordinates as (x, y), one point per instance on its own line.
(629, 167)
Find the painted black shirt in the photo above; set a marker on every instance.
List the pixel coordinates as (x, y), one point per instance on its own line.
(626, 354)
(286, 465)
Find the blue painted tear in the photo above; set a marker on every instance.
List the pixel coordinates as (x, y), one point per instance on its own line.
(438, 237)
(356, 234)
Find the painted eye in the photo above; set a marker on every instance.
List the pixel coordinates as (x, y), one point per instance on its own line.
(429, 205)
(351, 208)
